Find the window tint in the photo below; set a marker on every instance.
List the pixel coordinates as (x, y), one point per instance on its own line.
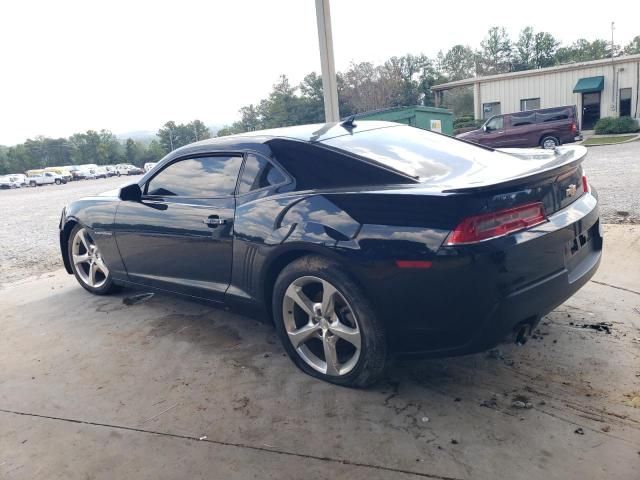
(259, 173)
(553, 115)
(496, 123)
(197, 177)
(418, 153)
(522, 119)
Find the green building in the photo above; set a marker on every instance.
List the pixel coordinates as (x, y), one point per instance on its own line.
(427, 118)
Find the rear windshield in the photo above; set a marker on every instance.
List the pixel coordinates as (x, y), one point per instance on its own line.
(412, 151)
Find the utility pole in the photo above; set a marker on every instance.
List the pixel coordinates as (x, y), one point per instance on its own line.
(329, 84)
(612, 29)
(171, 138)
(613, 70)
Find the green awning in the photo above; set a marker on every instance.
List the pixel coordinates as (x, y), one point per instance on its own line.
(589, 84)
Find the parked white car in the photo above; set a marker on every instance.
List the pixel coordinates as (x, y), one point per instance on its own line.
(7, 182)
(128, 169)
(21, 178)
(44, 178)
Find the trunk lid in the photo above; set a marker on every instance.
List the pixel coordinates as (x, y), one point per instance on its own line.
(553, 177)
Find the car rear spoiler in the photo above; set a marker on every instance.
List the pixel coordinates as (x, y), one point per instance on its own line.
(560, 160)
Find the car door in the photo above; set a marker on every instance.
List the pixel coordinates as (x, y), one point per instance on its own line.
(493, 132)
(519, 130)
(179, 236)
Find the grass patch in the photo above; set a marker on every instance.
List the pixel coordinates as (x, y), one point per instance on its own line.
(601, 140)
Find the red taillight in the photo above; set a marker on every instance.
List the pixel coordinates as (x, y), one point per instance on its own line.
(585, 184)
(496, 224)
(574, 128)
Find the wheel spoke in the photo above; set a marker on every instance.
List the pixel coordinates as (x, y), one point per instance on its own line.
(298, 296)
(351, 335)
(78, 259)
(92, 274)
(330, 354)
(302, 334)
(328, 302)
(102, 267)
(85, 241)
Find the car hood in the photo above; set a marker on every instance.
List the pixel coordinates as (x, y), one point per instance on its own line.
(470, 134)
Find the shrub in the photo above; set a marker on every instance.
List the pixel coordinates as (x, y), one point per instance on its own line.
(608, 125)
(464, 119)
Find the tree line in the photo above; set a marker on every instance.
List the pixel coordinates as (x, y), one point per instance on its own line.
(100, 148)
(405, 80)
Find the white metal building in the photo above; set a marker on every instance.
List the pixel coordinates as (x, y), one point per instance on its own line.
(600, 88)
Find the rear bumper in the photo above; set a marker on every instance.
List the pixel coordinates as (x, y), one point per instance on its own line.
(499, 286)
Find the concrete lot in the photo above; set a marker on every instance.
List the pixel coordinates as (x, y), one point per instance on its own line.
(93, 388)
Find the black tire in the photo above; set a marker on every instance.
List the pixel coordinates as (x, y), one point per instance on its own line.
(105, 289)
(549, 141)
(33, 184)
(373, 356)
(58, 182)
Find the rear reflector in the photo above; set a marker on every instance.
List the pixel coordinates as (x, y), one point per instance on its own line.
(585, 184)
(413, 264)
(574, 128)
(496, 224)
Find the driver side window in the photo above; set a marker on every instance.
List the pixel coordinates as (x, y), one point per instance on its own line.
(202, 177)
(496, 123)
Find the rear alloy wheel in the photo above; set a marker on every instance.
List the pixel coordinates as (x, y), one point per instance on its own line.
(58, 182)
(327, 325)
(87, 263)
(549, 142)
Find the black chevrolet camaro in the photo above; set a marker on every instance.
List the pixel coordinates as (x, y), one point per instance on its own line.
(360, 240)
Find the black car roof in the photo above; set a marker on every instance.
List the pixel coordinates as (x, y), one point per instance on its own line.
(315, 132)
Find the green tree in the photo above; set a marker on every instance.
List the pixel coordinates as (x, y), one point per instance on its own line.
(458, 63)
(172, 135)
(495, 52)
(633, 47)
(583, 50)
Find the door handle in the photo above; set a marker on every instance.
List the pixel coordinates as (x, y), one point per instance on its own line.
(213, 221)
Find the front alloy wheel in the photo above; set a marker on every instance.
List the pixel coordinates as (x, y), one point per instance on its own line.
(87, 262)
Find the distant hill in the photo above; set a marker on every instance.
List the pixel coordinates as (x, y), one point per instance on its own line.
(144, 136)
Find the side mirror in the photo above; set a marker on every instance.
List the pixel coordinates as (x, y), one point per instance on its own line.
(131, 193)
(484, 128)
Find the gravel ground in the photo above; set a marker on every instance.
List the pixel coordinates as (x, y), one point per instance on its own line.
(29, 225)
(29, 216)
(614, 170)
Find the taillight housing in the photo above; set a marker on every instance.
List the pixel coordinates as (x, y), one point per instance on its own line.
(497, 224)
(585, 184)
(574, 128)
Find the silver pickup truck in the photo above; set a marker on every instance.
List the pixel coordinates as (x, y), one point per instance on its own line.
(45, 178)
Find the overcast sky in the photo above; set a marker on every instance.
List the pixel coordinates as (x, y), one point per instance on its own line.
(68, 66)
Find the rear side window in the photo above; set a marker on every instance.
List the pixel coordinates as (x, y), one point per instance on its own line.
(553, 115)
(418, 153)
(202, 177)
(523, 119)
(259, 173)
